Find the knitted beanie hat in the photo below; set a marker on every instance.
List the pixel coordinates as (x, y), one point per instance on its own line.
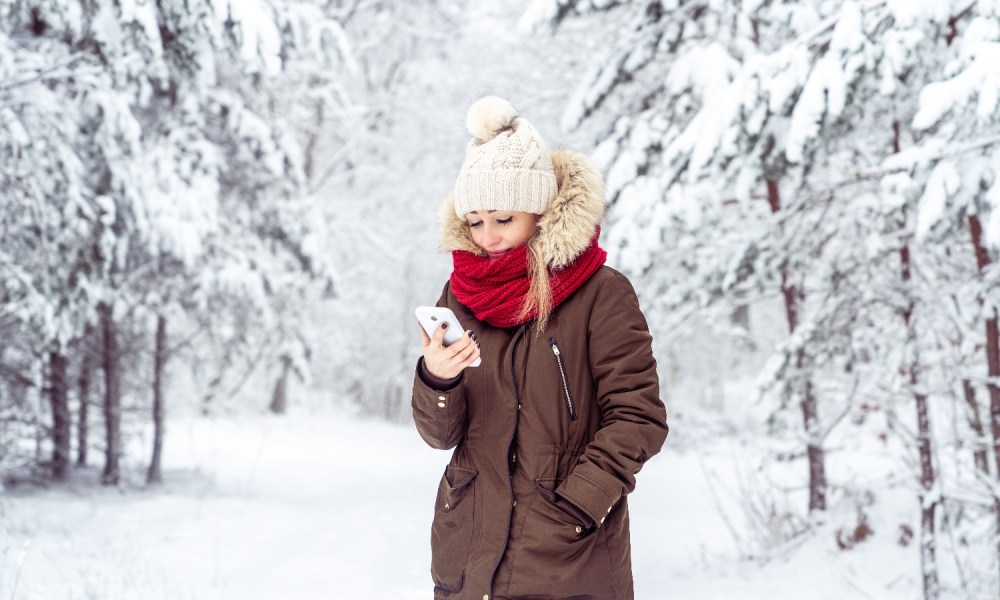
(507, 166)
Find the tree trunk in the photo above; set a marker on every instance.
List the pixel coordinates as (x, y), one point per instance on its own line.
(86, 366)
(61, 420)
(155, 473)
(112, 398)
(975, 420)
(814, 447)
(279, 399)
(929, 496)
(992, 363)
(809, 403)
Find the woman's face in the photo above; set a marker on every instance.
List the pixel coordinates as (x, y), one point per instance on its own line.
(497, 232)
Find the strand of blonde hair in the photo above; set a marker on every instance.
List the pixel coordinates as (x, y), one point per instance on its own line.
(539, 297)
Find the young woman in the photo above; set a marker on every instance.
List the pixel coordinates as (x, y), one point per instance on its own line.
(551, 429)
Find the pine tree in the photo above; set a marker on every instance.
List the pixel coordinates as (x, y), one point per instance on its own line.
(148, 167)
(858, 125)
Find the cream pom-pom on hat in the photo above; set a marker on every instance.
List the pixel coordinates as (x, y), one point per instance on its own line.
(507, 165)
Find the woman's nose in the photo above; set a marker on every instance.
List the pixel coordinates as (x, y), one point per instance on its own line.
(490, 236)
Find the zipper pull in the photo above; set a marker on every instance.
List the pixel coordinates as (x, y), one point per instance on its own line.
(555, 348)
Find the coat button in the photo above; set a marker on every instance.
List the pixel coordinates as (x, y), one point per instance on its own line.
(515, 502)
(579, 529)
(486, 597)
(441, 405)
(441, 398)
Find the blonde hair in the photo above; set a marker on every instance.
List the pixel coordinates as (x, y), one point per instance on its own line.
(539, 297)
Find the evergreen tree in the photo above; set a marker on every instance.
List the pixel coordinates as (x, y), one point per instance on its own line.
(801, 149)
(148, 167)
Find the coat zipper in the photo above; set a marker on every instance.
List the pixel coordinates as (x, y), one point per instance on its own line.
(562, 373)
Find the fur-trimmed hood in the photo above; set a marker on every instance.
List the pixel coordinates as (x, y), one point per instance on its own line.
(567, 226)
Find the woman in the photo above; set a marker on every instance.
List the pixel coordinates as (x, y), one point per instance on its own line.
(551, 429)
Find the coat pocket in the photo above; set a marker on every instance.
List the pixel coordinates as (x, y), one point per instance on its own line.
(451, 533)
(550, 542)
(556, 550)
(571, 515)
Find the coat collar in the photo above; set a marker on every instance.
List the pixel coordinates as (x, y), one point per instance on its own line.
(567, 226)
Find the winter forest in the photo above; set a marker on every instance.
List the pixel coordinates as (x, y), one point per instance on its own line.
(219, 215)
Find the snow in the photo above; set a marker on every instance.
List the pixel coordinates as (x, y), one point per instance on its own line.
(330, 33)
(992, 225)
(978, 79)
(537, 14)
(13, 128)
(707, 72)
(899, 50)
(107, 28)
(143, 13)
(181, 198)
(260, 40)
(268, 507)
(326, 504)
(822, 100)
(942, 185)
(848, 34)
(908, 12)
(787, 72)
(108, 209)
(631, 55)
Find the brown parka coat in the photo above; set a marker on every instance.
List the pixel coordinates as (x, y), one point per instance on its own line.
(549, 432)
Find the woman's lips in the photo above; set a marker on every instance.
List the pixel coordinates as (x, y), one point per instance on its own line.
(497, 254)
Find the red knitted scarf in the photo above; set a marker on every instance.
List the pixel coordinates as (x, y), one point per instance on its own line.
(495, 289)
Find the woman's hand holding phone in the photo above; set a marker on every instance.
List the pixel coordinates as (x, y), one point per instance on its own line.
(447, 361)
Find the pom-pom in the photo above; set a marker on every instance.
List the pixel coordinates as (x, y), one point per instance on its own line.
(488, 116)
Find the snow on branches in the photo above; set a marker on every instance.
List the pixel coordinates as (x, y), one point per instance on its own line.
(838, 156)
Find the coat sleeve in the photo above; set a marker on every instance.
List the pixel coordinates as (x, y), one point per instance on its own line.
(633, 418)
(440, 415)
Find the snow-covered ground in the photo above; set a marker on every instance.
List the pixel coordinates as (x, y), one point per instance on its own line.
(331, 505)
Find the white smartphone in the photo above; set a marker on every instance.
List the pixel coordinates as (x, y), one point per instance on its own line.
(431, 317)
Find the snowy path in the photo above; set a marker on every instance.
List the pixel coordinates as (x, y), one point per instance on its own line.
(310, 507)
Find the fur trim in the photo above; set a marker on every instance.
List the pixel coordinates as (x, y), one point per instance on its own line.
(455, 233)
(564, 229)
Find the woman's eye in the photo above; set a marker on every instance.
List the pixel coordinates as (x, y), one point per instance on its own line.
(477, 224)
(505, 221)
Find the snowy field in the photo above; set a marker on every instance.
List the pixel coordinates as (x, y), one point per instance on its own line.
(313, 506)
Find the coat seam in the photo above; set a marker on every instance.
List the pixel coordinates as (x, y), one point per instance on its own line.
(520, 532)
(510, 443)
(611, 563)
